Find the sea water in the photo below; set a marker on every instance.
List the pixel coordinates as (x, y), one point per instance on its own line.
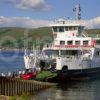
(84, 90)
(11, 61)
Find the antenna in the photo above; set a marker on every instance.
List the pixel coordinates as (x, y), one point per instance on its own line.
(77, 9)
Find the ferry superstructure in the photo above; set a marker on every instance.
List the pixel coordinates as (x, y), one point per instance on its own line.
(72, 53)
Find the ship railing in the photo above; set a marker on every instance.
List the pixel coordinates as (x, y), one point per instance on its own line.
(86, 57)
(54, 56)
(69, 56)
(77, 57)
(85, 34)
(44, 56)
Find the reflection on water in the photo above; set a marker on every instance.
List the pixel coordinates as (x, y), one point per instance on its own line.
(85, 90)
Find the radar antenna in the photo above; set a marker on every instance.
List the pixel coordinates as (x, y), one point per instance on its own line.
(77, 10)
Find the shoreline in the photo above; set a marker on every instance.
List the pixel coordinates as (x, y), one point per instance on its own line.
(16, 97)
(2, 97)
(12, 49)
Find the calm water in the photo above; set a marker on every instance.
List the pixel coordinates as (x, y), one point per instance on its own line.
(11, 61)
(85, 90)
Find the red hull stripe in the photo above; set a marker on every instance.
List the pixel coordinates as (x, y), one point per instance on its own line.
(73, 46)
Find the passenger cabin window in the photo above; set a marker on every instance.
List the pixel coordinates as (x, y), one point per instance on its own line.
(77, 42)
(55, 52)
(69, 52)
(61, 29)
(69, 42)
(62, 42)
(85, 42)
(55, 29)
(63, 52)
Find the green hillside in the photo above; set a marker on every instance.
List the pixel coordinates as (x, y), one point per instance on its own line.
(93, 32)
(20, 32)
(16, 37)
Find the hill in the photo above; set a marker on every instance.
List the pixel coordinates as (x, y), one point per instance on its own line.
(19, 37)
(20, 32)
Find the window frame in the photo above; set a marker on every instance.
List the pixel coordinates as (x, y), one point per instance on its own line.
(54, 29)
(61, 29)
(77, 42)
(69, 43)
(62, 42)
(85, 42)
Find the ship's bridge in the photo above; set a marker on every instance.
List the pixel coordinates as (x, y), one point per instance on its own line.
(66, 28)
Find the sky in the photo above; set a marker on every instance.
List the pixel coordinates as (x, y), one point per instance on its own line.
(38, 13)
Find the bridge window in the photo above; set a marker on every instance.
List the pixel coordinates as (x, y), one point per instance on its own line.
(70, 28)
(61, 29)
(85, 42)
(62, 42)
(69, 42)
(66, 28)
(77, 42)
(55, 29)
(75, 28)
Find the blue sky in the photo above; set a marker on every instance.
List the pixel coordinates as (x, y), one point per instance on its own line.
(48, 9)
(59, 8)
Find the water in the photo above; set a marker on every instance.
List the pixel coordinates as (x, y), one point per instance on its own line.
(11, 61)
(85, 90)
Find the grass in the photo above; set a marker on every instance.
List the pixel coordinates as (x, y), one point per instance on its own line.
(21, 97)
(44, 74)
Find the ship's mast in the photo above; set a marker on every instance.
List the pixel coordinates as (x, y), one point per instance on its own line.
(77, 10)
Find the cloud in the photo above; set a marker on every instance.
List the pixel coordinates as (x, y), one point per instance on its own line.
(34, 4)
(90, 24)
(22, 22)
(93, 23)
(33, 23)
(38, 5)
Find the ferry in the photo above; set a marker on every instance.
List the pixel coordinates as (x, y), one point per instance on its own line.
(72, 54)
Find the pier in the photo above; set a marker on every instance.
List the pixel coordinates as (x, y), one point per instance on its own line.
(15, 86)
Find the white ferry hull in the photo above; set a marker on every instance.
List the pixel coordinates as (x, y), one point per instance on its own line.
(78, 69)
